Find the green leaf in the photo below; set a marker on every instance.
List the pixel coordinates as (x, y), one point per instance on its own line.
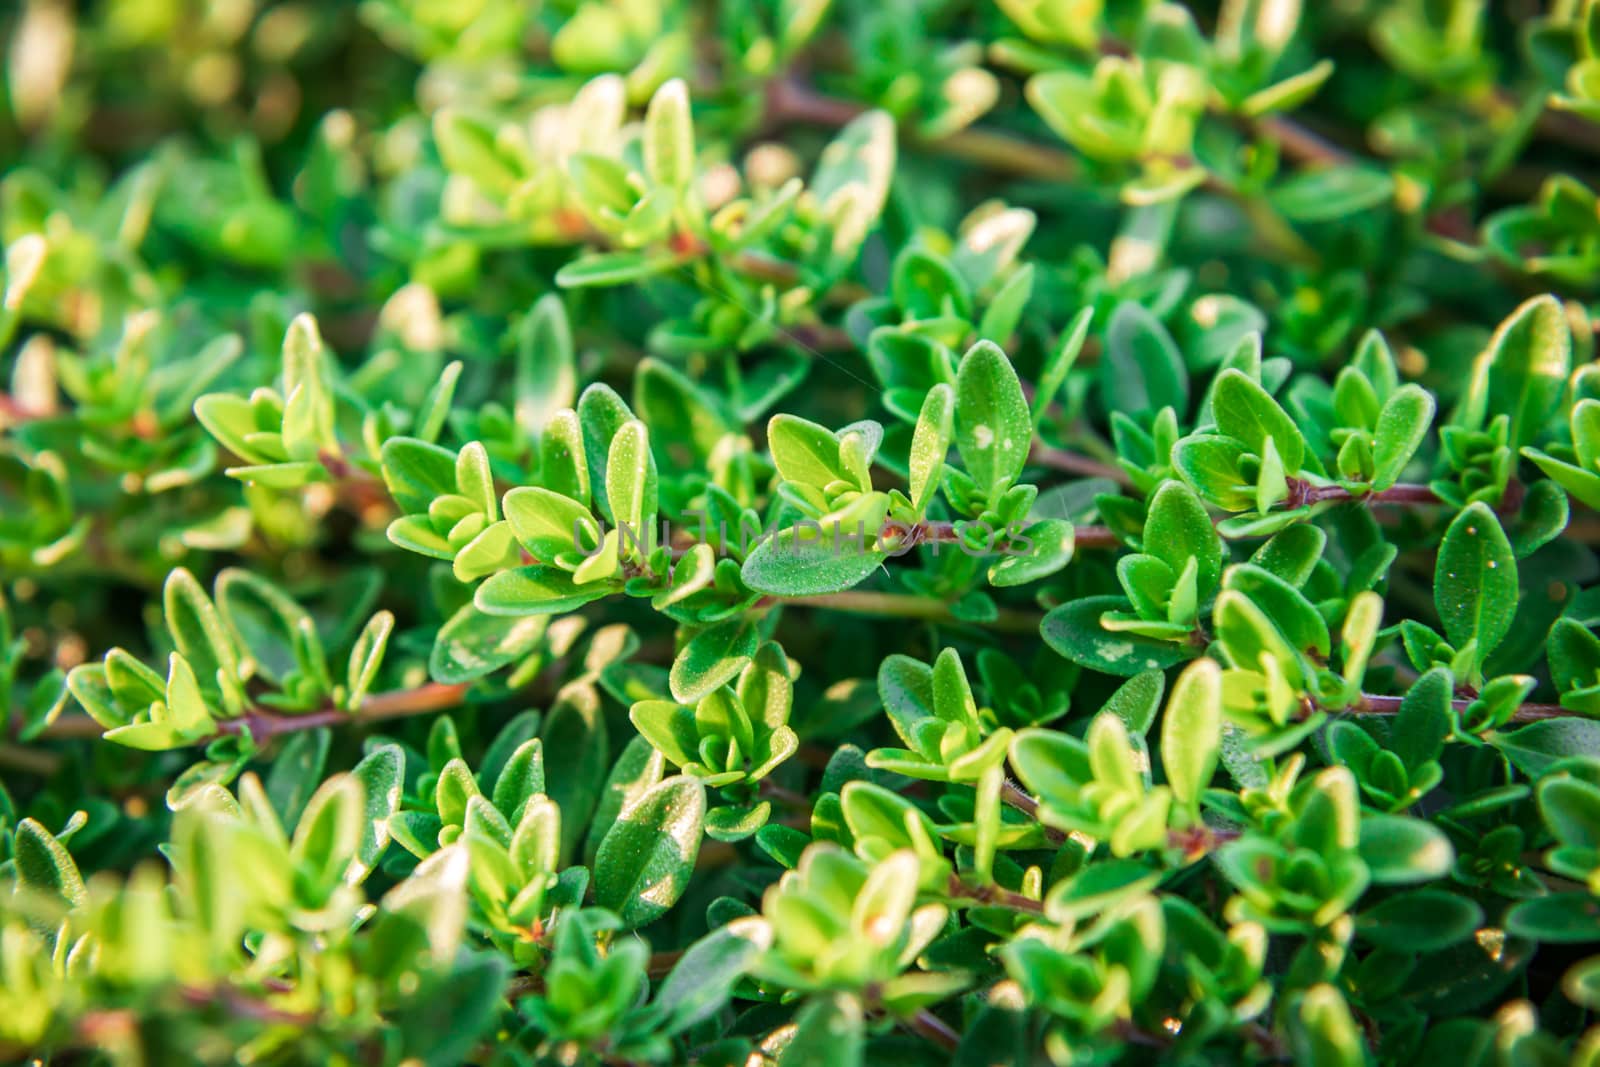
(1001, 317)
(467, 146)
(577, 749)
(262, 619)
(735, 822)
(1523, 371)
(1073, 630)
(829, 1032)
(613, 268)
(417, 473)
(1399, 850)
(1177, 529)
(296, 772)
(435, 407)
(798, 562)
(308, 414)
(852, 179)
(1292, 554)
(1294, 616)
(454, 790)
(1475, 580)
(1210, 464)
(445, 1022)
(1574, 654)
(993, 427)
(509, 741)
(1327, 1035)
(669, 136)
(563, 460)
(1544, 516)
(644, 863)
(930, 444)
(494, 549)
(1061, 360)
(705, 976)
(1099, 887)
(1571, 808)
(201, 638)
(323, 850)
(366, 656)
(1038, 551)
(1402, 426)
(1247, 413)
(1142, 370)
(534, 590)
(1535, 748)
(1137, 700)
(548, 524)
(547, 374)
(630, 480)
(639, 768)
(1422, 920)
(381, 775)
(805, 453)
(1289, 93)
(711, 659)
(925, 286)
(475, 481)
(44, 866)
(1332, 193)
(1191, 731)
(415, 534)
(1423, 723)
(680, 413)
(472, 644)
(1560, 918)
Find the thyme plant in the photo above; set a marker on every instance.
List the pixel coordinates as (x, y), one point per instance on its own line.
(639, 532)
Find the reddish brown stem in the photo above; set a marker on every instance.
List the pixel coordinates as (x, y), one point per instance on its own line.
(925, 1023)
(263, 723)
(1012, 795)
(1072, 463)
(995, 896)
(434, 696)
(1302, 493)
(1095, 537)
(904, 606)
(1390, 705)
(27, 760)
(1299, 143)
(789, 101)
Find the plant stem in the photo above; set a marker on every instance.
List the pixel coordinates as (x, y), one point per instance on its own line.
(1372, 704)
(1083, 536)
(993, 894)
(1303, 492)
(27, 760)
(1094, 537)
(434, 696)
(790, 101)
(662, 962)
(925, 1023)
(1072, 463)
(906, 606)
(1299, 143)
(262, 723)
(1012, 795)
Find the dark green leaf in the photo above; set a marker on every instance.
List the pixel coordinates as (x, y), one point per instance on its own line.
(643, 864)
